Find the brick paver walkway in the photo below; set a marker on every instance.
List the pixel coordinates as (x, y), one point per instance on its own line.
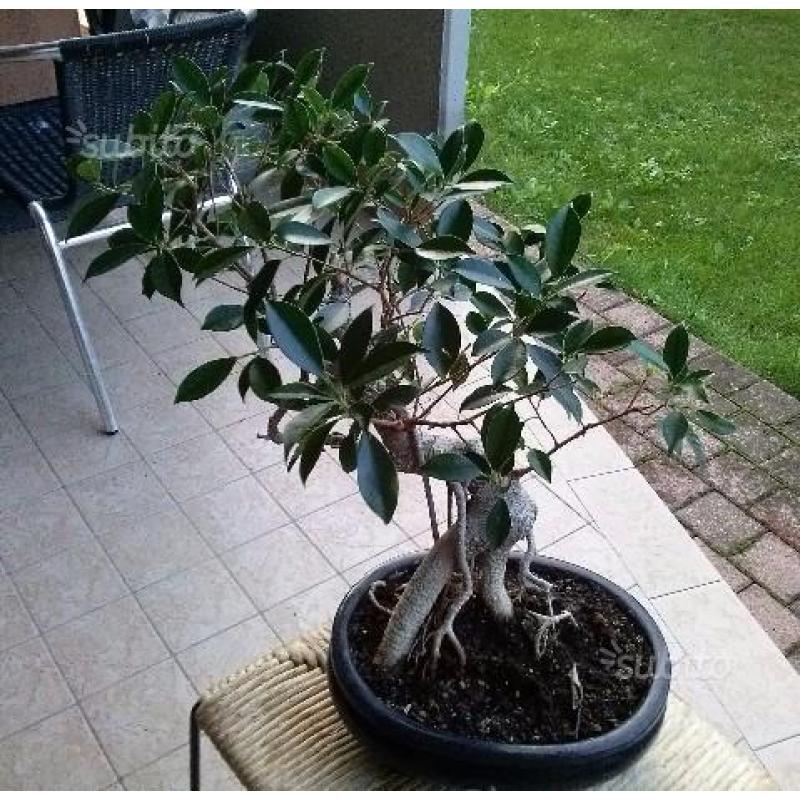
(743, 505)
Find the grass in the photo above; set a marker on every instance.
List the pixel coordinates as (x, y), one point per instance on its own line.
(686, 128)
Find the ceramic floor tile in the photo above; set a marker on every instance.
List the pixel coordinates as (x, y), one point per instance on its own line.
(165, 329)
(69, 584)
(348, 532)
(326, 484)
(37, 371)
(113, 345)
(657, 549)
(62, 410)
(225, 406)
(738, 660)
(235, 513)
(589, 549)
(105, 646)
(193, 605)
(31, 532)
(142, 718)
(20, 332)
(31, 687)
(277, 565)
(243, 438)
(594, 453)
(137, 382)
(13, 435)
(783, 762)
(57, 752)
(155, 547)
(16, 625)
(418, 545)
(308, 610)
(226, 652)
(171, 773)
(412, 513)
(554, 518)
(177, 362)
(120, 497)
(195, 467)
(157, 425)
(24, 475)
(79, 454)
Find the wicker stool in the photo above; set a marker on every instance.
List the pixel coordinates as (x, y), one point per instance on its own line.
(275, 726)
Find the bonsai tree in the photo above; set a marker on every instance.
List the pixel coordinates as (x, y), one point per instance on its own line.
(385, 223)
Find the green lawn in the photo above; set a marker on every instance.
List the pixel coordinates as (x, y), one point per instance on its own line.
(686, 128)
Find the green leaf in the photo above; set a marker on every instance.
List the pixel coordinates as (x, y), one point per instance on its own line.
(397, 229)
(674, 427)
(112, 258)
(299, 390)
(215, 261)
(540, 463)
(561, 240)
(263, 377)
(451, 467)
(441, 338)
(190, 79)
(312, 446)
(483, 396)
(255, 222)
(612, 337)
(165, 276)
(348, 85)
(354, 344)
(489, 305)
(714, 423)
(329, 196)
(91, 213)
(296, 122)
(648, 354)
(295, 335)
(396, 397)
(483, 180)
(377, 476)
(582, 203)
(442, 248)
(302, 234)
(476, 323)
(509, 361)
(490, 341)
(305, 421)
(451, 151)
(145, 217)
(338, 164)
(500, 435)
(473, 139)
(419, 150)
(204, 379)
(455, 220)
(586, 277)
(347, 449)
(482, 271)
(374, 145)
(498, 522)
(577, 335)
(526, 274)
(676, 349)
(309, 66)
(381, 361)
(224, 318)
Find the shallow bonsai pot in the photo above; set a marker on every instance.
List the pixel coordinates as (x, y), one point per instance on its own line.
(412, 748)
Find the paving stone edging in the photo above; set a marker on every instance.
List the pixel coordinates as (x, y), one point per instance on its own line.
(743, 505)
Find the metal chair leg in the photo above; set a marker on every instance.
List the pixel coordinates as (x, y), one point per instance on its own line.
(75, 319)
(194, 750)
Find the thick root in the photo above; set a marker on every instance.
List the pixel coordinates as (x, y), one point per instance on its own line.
(415, 604)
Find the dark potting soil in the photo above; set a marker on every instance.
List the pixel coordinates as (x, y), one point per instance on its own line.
(505, 693)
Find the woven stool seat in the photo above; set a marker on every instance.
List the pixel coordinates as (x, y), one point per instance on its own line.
(276, 727)
(32, 156)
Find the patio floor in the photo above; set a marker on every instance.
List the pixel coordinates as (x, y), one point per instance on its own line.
(137, 568)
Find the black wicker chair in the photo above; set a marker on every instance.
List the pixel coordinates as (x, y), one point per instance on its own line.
(103, 81)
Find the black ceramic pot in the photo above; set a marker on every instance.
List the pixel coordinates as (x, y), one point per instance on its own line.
(411, 747)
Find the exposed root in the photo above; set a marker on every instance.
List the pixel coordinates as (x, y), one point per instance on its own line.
(547, 624)
(445, 629)
(374, 600)
(577, 695)
(528, 578)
